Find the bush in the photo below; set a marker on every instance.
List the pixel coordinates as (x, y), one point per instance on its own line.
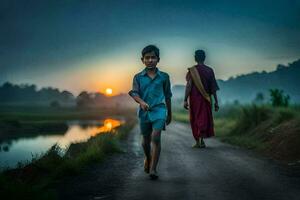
(278, 98)
(250, 117)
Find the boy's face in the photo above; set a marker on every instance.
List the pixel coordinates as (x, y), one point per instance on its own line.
(150, 60)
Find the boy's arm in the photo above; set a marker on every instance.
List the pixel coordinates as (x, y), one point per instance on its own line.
(135, 94)
(142, 103)
(168, 95)
(169, 108)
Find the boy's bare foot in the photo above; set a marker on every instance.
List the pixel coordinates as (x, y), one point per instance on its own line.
(147, 165)
(153, 175)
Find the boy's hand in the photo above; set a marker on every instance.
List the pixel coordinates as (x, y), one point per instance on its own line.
(216, 107)
(169, 119)
(186, 105)
(144, 106)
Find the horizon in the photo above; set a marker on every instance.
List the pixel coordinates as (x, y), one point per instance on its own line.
(113, 94)
(57, 43)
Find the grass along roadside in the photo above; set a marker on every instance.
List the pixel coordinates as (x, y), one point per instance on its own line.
(182, 116)
(275, 132)
(37, 179)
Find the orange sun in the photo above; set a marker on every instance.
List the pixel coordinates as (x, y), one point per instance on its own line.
(108, 91)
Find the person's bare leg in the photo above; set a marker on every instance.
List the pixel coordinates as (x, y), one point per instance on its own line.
(197, 144)
(156, 148)
(202, 143)
(147, 149)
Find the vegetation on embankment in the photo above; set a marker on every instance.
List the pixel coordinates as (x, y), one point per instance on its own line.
(273, 131)
(37, 179)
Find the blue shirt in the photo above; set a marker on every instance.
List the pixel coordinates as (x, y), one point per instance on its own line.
(153, 92)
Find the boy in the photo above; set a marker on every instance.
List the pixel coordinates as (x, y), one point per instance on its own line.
(151, 90)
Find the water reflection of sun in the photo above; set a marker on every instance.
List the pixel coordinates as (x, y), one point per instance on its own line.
(109, 125)
(77, 134)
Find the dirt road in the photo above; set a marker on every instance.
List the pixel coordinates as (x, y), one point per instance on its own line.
(220, 171)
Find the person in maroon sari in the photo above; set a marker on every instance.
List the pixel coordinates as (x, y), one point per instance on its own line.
(200, 108)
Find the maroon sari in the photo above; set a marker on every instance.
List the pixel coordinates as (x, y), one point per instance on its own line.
(201, 117)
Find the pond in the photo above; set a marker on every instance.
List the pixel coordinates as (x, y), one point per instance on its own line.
(24, 149)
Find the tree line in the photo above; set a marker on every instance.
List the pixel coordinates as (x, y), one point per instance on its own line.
(29, 94)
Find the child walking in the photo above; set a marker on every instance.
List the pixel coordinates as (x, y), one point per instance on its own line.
(151, 90)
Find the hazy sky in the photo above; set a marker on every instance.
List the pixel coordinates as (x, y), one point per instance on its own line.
(90, 45)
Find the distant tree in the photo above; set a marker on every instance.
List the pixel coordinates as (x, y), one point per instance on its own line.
(54, 104)
(83, 99)
(49, 94)
(28, 93)
(7, 92)
(100, 99)
(231, 78)
(67, 96)
(259, 99)
(278, 98)
(280, 67)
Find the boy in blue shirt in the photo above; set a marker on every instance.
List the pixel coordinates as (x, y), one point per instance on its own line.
(151, 89)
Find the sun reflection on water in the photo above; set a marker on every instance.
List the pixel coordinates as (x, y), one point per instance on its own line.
(77, 133)
(22, 149)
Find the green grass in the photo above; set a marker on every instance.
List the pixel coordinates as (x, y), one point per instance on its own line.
(181, 116)
(250, 126)
(271, 131)
(248, 142)
(93, 151)
(223, 126)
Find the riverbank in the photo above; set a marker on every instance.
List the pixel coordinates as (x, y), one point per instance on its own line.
(37, 179)
(27, 121)
(274, 132)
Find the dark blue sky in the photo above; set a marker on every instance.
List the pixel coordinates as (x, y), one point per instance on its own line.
(92, 45)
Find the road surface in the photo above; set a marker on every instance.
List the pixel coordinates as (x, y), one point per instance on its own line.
(220, 171)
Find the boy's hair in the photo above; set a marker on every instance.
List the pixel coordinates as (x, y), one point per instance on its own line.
(150, 48)
(200, 55)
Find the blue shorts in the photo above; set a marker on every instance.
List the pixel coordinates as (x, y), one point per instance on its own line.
(147, 127)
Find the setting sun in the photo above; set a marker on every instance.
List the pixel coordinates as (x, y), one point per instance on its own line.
(108, 91)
